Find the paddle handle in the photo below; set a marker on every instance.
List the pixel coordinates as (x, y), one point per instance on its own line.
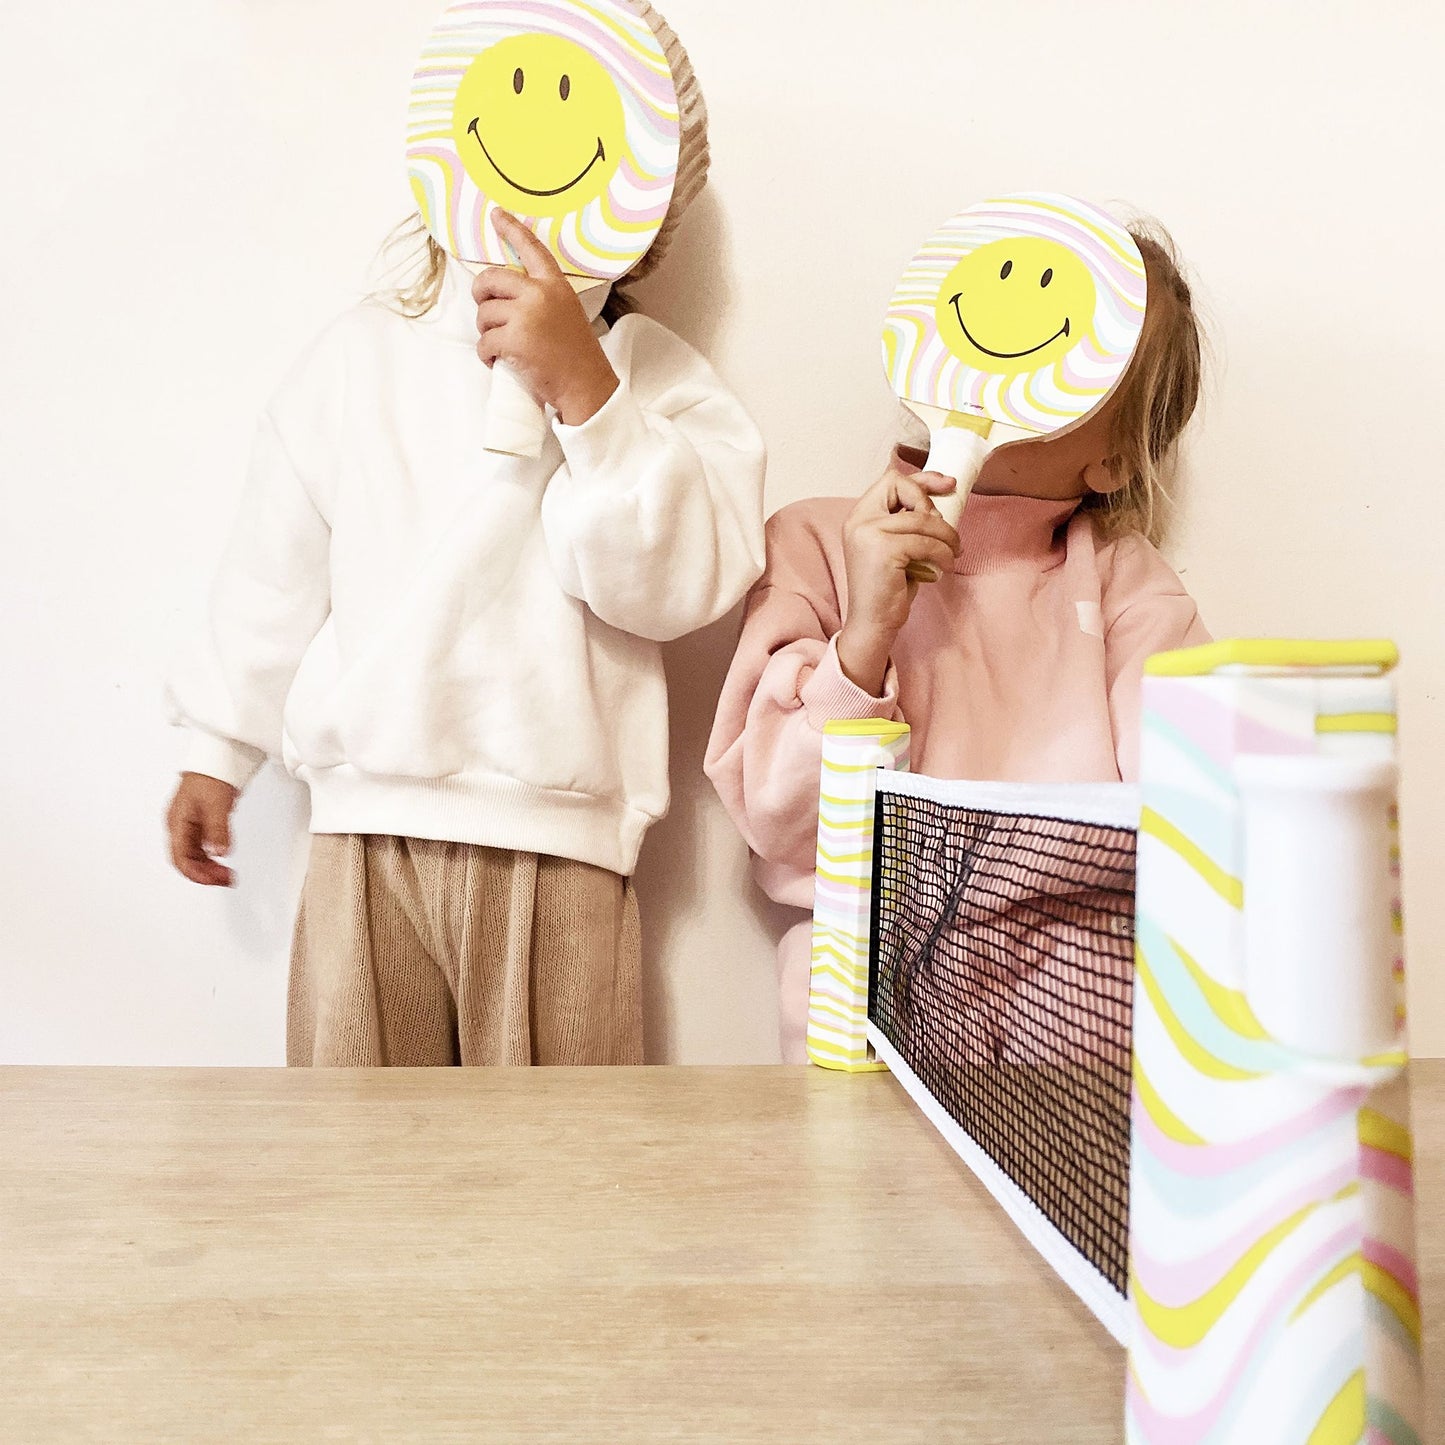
(957, 452)
(516, 424)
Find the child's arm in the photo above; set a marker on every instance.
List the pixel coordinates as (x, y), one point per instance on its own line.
(1146, 610)
(269, 599)
(656, 519)
(786, 683)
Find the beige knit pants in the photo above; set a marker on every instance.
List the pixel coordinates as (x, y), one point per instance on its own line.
(410, 952)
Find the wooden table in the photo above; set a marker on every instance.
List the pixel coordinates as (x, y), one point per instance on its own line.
(619, 1256)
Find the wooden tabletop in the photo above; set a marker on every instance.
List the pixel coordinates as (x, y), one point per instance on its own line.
(619, 1256)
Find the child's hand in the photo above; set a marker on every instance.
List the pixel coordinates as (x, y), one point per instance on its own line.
(536, 324)
(199, 824)
(894, 523)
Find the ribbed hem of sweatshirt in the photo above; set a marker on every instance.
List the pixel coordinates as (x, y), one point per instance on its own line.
(829, 695)
(232, 762)
(490, 811)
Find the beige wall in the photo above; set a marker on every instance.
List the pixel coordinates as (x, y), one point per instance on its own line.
(185, 212)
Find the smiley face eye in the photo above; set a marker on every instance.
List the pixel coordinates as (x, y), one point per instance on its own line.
(565, 89)
(518, 80)
(1046, 277)
(1007, 267)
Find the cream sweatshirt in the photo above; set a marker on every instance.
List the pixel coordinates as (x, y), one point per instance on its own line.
(449, 644)
(1023, 665)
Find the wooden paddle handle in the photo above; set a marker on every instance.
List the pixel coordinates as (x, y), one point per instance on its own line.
(516, 424)
(957, 452)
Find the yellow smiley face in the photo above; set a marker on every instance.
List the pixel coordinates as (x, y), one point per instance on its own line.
(538, 124)
(1015, 305)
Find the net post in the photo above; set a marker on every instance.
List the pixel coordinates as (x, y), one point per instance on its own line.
(1270, 1060)
(853, 752)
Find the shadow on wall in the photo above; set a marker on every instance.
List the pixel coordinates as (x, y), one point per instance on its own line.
(692, 285)
(676, 892)
(671, 884)
(689, 293)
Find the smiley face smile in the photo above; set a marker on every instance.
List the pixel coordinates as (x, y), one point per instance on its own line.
(600, 154)
(1003, 355)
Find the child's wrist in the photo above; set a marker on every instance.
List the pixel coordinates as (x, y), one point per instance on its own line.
(863, 656)
(586, 395)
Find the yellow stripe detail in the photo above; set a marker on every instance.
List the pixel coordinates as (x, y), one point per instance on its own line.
(1167, 1121)
(866, 856)
(846, 825)
(1377, 1131)
(1198, 1056)
(865, 727)
(1184, 1326)
(969, 421)
(1375, 654)
(848, 980)
(848, 879)
(1394, 1296)
(1342, 1271)
(833, 801)
(850, 1066)
(829, 766)
(1344, 1421)
(1396, 1058)
(829, 1011)
(1356, 722)
(1225, 884)
(1230, 1006)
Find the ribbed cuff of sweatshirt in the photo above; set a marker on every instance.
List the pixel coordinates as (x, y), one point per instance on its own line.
(605, 444)
(232, 762)
(829, 695)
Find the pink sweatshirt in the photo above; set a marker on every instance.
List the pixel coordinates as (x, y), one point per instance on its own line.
(1024, 665)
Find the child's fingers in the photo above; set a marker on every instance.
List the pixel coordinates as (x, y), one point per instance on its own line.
(493, 313)
(534, 256)
(878, 499)
(911, 496)
(498, 283)
(493, 344)
(935, 483)
(924, 549)
(216, 828)
(921, 524)
(189, 855)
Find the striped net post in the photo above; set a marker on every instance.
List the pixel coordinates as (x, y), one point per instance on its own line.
(853, 751)
(1273, 1291)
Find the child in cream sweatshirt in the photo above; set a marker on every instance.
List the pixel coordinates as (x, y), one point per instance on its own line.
(459, 653)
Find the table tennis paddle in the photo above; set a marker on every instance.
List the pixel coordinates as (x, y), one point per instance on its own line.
(562, 112)
(1014, 321)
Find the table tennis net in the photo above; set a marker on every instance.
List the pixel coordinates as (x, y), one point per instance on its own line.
(1001, 971)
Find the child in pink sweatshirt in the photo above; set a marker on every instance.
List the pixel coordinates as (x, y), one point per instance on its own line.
(1023, 663)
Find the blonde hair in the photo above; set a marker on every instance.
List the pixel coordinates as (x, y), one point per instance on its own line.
(422, 263)
(1156, 398)
(411, 255)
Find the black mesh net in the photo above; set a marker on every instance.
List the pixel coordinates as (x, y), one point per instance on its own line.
(1002, 973)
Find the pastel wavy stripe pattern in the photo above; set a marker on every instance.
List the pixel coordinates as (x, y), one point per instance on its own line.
(922, 368)
(1273, 1289)
(603, 239)
(838, 989)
